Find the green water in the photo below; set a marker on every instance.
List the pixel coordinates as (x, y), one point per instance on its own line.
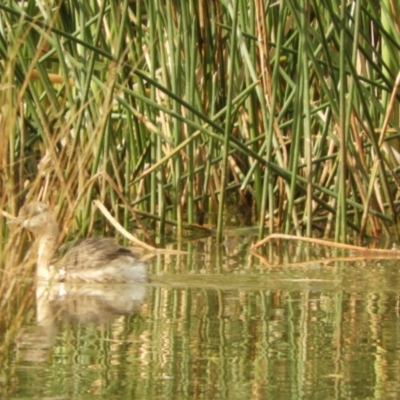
(215, 323)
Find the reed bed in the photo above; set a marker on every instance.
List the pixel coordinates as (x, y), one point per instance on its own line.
(186, 114)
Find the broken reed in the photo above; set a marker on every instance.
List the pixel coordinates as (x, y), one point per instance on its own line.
(284, 115)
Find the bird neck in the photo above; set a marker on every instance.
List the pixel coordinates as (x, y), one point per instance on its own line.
(47, 250)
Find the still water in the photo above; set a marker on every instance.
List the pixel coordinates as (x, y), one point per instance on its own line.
(219, 322)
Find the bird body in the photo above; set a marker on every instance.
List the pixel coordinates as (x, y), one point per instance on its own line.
(89, 260)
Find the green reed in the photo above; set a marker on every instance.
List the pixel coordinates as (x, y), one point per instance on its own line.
(282, 115)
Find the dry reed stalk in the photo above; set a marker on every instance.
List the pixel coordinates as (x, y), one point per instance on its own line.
(322, 242)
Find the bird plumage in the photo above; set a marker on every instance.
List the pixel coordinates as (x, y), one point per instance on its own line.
(89, 260)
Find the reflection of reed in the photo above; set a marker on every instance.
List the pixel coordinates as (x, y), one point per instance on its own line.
(265, 343)
(16, 293)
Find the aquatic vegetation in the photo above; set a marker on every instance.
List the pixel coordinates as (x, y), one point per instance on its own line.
(179, 114)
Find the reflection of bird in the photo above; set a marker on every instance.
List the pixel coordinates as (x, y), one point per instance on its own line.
(81, 303)
(90, 260)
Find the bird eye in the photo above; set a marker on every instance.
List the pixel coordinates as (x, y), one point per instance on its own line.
(37, 211)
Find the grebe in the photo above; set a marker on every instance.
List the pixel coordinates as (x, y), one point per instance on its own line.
(89, 260)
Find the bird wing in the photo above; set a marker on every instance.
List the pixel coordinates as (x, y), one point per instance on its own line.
(93, 254)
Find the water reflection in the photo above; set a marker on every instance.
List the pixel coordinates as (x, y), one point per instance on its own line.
(218, 323)
(79, 302)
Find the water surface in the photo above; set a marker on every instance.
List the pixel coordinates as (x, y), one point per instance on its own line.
(215, 323)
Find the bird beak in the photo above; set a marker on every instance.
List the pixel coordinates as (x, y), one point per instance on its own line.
(15, 221)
